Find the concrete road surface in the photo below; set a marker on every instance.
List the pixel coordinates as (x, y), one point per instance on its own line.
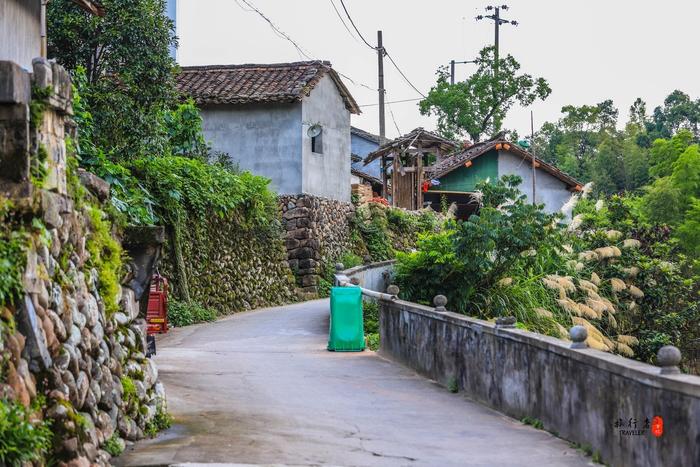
(260, 388)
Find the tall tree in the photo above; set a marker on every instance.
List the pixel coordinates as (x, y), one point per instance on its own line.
(126, 58)
(478, 106)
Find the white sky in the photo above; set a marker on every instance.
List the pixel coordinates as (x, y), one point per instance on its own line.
(588, 50)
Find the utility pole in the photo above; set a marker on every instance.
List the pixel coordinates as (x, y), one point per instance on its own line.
(452, 68)
(497, 21)
(382, 92)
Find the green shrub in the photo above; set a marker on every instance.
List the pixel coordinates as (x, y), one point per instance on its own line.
(373, 341)
(21, 440)
(114, 445)
(129, 395)
(184, 314)
(12, 256)
(370, 316)
(162, 420)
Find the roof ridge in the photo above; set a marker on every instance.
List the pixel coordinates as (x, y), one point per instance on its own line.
(236, 66)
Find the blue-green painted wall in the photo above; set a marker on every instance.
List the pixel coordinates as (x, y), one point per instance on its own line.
(466, 178)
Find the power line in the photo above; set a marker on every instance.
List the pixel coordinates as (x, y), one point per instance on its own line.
(340, 17)
(353, 25)
(393, 118)
(402, 74)
(298, 47)
(276, 28)
(394, 102)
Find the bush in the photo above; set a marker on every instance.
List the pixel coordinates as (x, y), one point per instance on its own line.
(21, 440)
(162, 420)
(184, 314)
(114, 445)
(370, 317)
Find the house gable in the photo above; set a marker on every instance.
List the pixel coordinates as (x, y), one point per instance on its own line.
(326, 170)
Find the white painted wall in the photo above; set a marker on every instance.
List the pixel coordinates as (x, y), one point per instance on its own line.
(549, 190)
(326, 174)
(20, 31)
(264, 139)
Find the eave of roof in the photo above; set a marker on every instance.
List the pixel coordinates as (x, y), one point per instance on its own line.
(459, 158)
(364, 175)
(419, 136)
(265, 83)
(365, 134)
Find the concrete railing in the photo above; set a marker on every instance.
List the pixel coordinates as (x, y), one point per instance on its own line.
(596, 399)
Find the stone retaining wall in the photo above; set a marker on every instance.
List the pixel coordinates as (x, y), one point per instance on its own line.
(316, 230)
(58, 343)
(232, 269)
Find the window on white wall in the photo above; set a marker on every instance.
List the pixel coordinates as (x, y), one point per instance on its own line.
(317, 144)
(316, 134)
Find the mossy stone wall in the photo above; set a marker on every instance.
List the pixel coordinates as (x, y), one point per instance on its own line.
(229, 268)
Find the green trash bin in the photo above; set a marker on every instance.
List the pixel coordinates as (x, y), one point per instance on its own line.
(346, 332)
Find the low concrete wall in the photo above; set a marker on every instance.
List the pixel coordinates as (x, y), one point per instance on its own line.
(583, 395)
(375, 276)
(586, 396)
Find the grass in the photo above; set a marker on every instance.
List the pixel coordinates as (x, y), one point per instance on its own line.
(184, 314)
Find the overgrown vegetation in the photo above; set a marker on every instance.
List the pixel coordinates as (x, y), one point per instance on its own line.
(114, 445)
(162, 420)
(611, 270)
(380, 231)
(13, 259)
(187, 313)
(106, 258)
(22, 437)
(370, 316)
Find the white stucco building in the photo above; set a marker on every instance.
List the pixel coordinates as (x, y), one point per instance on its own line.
(265, 118)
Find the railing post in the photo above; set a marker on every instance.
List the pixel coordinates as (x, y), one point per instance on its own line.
(668, 357)
(505, 322)
(440, 301)
(578, 335)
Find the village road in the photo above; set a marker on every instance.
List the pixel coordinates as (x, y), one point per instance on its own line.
(260, 388)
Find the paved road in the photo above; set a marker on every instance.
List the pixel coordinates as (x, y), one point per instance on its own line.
(260, 388)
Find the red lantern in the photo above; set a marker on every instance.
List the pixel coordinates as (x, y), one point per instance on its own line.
(157, 312)
(426, 186)
(657, 426)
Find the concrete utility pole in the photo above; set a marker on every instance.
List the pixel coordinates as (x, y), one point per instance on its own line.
(497, 21)
(382, 91)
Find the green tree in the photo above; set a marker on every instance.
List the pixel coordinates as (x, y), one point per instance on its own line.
(129, 71)
(665, 152)
(678, 112)
(478, 106)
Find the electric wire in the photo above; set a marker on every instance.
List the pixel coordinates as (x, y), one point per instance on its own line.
(276, 29)
(340, 17)
(357, 30)
(402, 73)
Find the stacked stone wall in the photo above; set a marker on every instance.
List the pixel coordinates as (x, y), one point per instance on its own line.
(229, 268)
(316, 230)
(84, 367)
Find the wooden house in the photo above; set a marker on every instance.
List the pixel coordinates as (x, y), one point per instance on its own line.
(403, 162)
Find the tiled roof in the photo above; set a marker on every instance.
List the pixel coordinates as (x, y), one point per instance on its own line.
(416, 138)
(268, 83)
(364, 134)
(457, 159)
(91, 6)
(365, 175)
